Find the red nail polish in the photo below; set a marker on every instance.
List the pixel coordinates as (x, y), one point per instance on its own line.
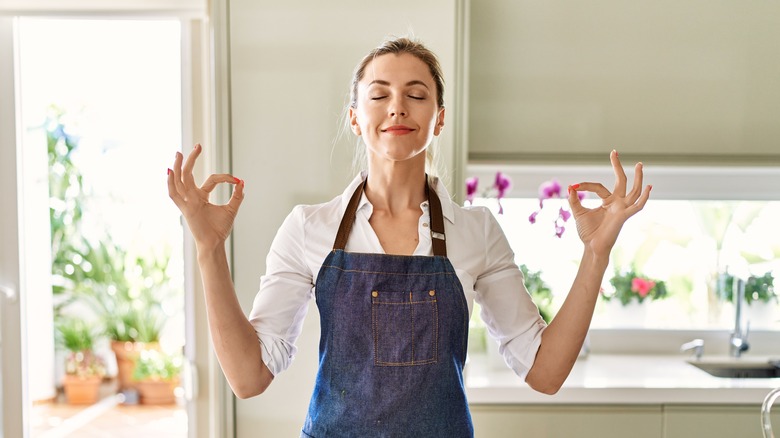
(236, 180)
(169, 171)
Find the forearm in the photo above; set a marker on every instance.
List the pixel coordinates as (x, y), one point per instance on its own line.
(563, 338)
(235, 342)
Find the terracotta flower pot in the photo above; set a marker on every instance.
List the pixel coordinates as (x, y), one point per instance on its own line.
(82, 390)
(156, 392)
(126, 355)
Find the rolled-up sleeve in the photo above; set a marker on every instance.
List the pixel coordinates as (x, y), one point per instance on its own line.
(281, 304)
(509, 313)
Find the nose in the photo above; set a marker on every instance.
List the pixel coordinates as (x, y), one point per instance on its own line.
(397, 108)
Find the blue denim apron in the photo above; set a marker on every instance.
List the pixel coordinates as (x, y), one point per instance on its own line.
(393, 342)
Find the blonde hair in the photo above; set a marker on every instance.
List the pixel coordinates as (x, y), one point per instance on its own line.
(398, 46)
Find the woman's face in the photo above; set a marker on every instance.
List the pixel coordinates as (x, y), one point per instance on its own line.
(396, 111)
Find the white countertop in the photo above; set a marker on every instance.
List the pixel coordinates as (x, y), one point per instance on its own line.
(616, 379)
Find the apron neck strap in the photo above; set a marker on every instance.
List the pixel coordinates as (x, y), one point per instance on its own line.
(436, 219)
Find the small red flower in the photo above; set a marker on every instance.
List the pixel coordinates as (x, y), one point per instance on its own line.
(642, 286)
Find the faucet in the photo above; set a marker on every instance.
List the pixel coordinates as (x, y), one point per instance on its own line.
(696, 345)
(738, 343)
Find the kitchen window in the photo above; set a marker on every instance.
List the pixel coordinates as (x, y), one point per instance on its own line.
(700, 222)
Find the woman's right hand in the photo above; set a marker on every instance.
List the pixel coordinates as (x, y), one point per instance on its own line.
(210, 224)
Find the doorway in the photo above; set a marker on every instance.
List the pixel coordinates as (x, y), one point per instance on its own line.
(100, 121)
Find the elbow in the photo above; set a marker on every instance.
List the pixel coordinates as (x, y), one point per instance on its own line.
(545, 384)
(246, 390)
(547, 388)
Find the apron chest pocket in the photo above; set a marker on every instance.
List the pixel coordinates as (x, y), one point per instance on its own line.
(405, 328)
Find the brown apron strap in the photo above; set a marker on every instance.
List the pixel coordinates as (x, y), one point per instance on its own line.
(436, 220)
(349, 218)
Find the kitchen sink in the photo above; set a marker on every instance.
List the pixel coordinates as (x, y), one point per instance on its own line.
(739, 368)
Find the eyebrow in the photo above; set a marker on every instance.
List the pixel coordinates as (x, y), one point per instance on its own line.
(408, 84)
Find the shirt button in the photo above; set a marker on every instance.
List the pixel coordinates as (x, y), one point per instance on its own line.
(374, 294)
(425, 224)
(432, 293)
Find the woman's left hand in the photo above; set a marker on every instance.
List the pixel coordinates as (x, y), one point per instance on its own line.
(599, 227)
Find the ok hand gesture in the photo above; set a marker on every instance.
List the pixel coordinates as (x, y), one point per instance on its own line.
(210, 224)
(599, 227)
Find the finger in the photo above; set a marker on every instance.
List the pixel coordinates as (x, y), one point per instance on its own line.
(596, 188)
(177, 173)
(636, 190)
(188, 179)
(215, 179)
(238, 196)
(620, 174)
(172, 191)
(640, 203)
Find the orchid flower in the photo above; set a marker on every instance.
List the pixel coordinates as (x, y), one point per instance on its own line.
(548, 190)
(502, 184)
(471, 188)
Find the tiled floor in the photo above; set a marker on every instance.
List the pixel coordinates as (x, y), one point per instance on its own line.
(108, 418)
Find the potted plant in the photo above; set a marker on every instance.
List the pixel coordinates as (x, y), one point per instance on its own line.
(632, 286)
(130, 306)
(758, 289)
(760, 297)
(84, 370)
(156, 376)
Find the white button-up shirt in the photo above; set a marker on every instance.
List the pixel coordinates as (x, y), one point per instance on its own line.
(476, 247)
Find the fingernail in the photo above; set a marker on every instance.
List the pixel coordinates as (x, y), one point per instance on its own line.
(616, 153)
(650, 187)
(169, 171)
(197, 145)
(236, 180)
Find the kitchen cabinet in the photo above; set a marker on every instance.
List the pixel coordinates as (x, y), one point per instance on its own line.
(683, 421)
(582, 421)
(605, 421)
(678, 82)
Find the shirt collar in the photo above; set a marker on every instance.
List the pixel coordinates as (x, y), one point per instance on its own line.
(446, 205)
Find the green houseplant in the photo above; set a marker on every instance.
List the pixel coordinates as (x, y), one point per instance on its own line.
(631, 286)
(124, 290)
(758, 289)
(157, 375)
(84, 370)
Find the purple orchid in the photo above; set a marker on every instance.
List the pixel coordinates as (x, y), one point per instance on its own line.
(548, 190)
(471, 188)
(502, 184)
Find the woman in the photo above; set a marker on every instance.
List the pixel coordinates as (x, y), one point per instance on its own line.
(394, 266)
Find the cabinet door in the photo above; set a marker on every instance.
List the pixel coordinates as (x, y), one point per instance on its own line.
(564, 80)
(715, 421)
(553, 421)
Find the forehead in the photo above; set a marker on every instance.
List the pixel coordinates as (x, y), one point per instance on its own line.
(395, 68)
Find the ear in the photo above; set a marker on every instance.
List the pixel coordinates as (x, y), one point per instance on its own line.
(353, 123)
(439, 122)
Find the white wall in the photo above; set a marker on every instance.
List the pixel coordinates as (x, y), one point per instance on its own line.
(291, 64)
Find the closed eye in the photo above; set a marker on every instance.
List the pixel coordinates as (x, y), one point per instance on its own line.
(417, 97)
(378, 97)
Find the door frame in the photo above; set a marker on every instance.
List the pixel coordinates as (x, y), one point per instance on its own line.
(13, 357)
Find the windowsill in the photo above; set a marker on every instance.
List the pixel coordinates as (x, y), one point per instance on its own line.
(615, 379)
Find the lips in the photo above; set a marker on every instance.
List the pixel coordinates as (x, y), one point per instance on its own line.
(398, 130)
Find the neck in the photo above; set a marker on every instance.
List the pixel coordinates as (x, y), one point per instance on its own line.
(396, 186)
